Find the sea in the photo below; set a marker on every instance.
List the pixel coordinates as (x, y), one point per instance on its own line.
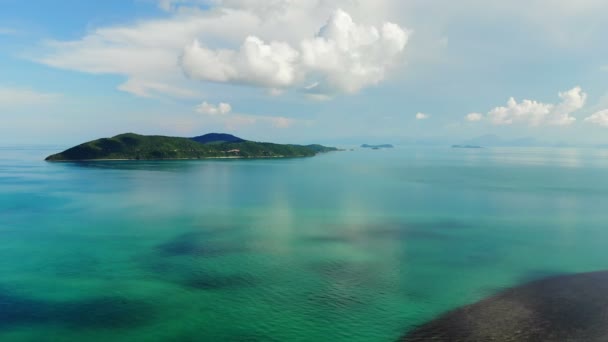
(360, 245)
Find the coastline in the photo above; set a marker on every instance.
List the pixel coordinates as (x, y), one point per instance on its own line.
(173, 159)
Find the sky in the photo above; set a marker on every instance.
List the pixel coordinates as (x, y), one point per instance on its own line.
(304, 71)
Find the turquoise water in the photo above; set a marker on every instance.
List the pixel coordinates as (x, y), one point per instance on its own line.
(348, 246)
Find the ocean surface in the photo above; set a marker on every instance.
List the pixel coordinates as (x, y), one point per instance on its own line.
(349, 246)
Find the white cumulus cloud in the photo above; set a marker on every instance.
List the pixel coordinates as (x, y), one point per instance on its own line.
(599, 118)
(535, 113)
(422, 116)
(270, 65)
(269, 44)
(210, 109)
(474, 117)
(343, 57)
(12, 97)
(145, 88)
(348, 57)
(222, 114)
(527, 111)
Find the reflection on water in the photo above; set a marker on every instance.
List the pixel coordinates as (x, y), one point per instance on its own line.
(357, 246)
(168, 166)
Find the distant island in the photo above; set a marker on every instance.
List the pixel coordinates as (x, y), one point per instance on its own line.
(130, 146)
(377, 147)
(466, 146)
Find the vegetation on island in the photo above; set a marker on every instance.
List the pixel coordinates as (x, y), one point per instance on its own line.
(132, 146)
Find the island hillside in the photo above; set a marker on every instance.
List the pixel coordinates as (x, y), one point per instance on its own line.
(216, 138)
(132, 146)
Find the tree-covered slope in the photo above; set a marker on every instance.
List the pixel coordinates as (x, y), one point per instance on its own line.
(131, 146)
(216, 138)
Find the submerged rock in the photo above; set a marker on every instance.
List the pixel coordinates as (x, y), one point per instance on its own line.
(563, 308)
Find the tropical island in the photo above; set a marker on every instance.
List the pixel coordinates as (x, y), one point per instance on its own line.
(466, 146)
(131, 146)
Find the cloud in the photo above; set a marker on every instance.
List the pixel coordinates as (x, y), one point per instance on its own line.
(536, 113)
(474, 117)
(604, 68)
(422, 116)
(222, 114)
(318, 97)
(13, 97)
(257, 43)
(356, 48)
(348, 57)
(150, 88)
(572, 100)
(255, 63)
(209, 109)
(343, 57)
(599, 118)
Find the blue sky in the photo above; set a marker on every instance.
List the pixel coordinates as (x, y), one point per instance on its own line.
(304, 70)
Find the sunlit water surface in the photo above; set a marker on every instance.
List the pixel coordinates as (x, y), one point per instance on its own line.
(348, 246)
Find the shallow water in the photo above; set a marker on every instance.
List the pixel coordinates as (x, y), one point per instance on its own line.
(357, 246)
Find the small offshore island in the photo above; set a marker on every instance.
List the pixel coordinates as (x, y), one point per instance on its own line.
(377, 147)
(467, 146)
(130, 146)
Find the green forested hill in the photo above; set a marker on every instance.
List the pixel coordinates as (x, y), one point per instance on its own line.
(132, 146)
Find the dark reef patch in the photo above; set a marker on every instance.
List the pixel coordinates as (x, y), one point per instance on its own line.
(107, 312)
(330, 238)
(189, 274)
(562, 308)
(95, 313)
(208, 281)
(197, 244)
(537, 274)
